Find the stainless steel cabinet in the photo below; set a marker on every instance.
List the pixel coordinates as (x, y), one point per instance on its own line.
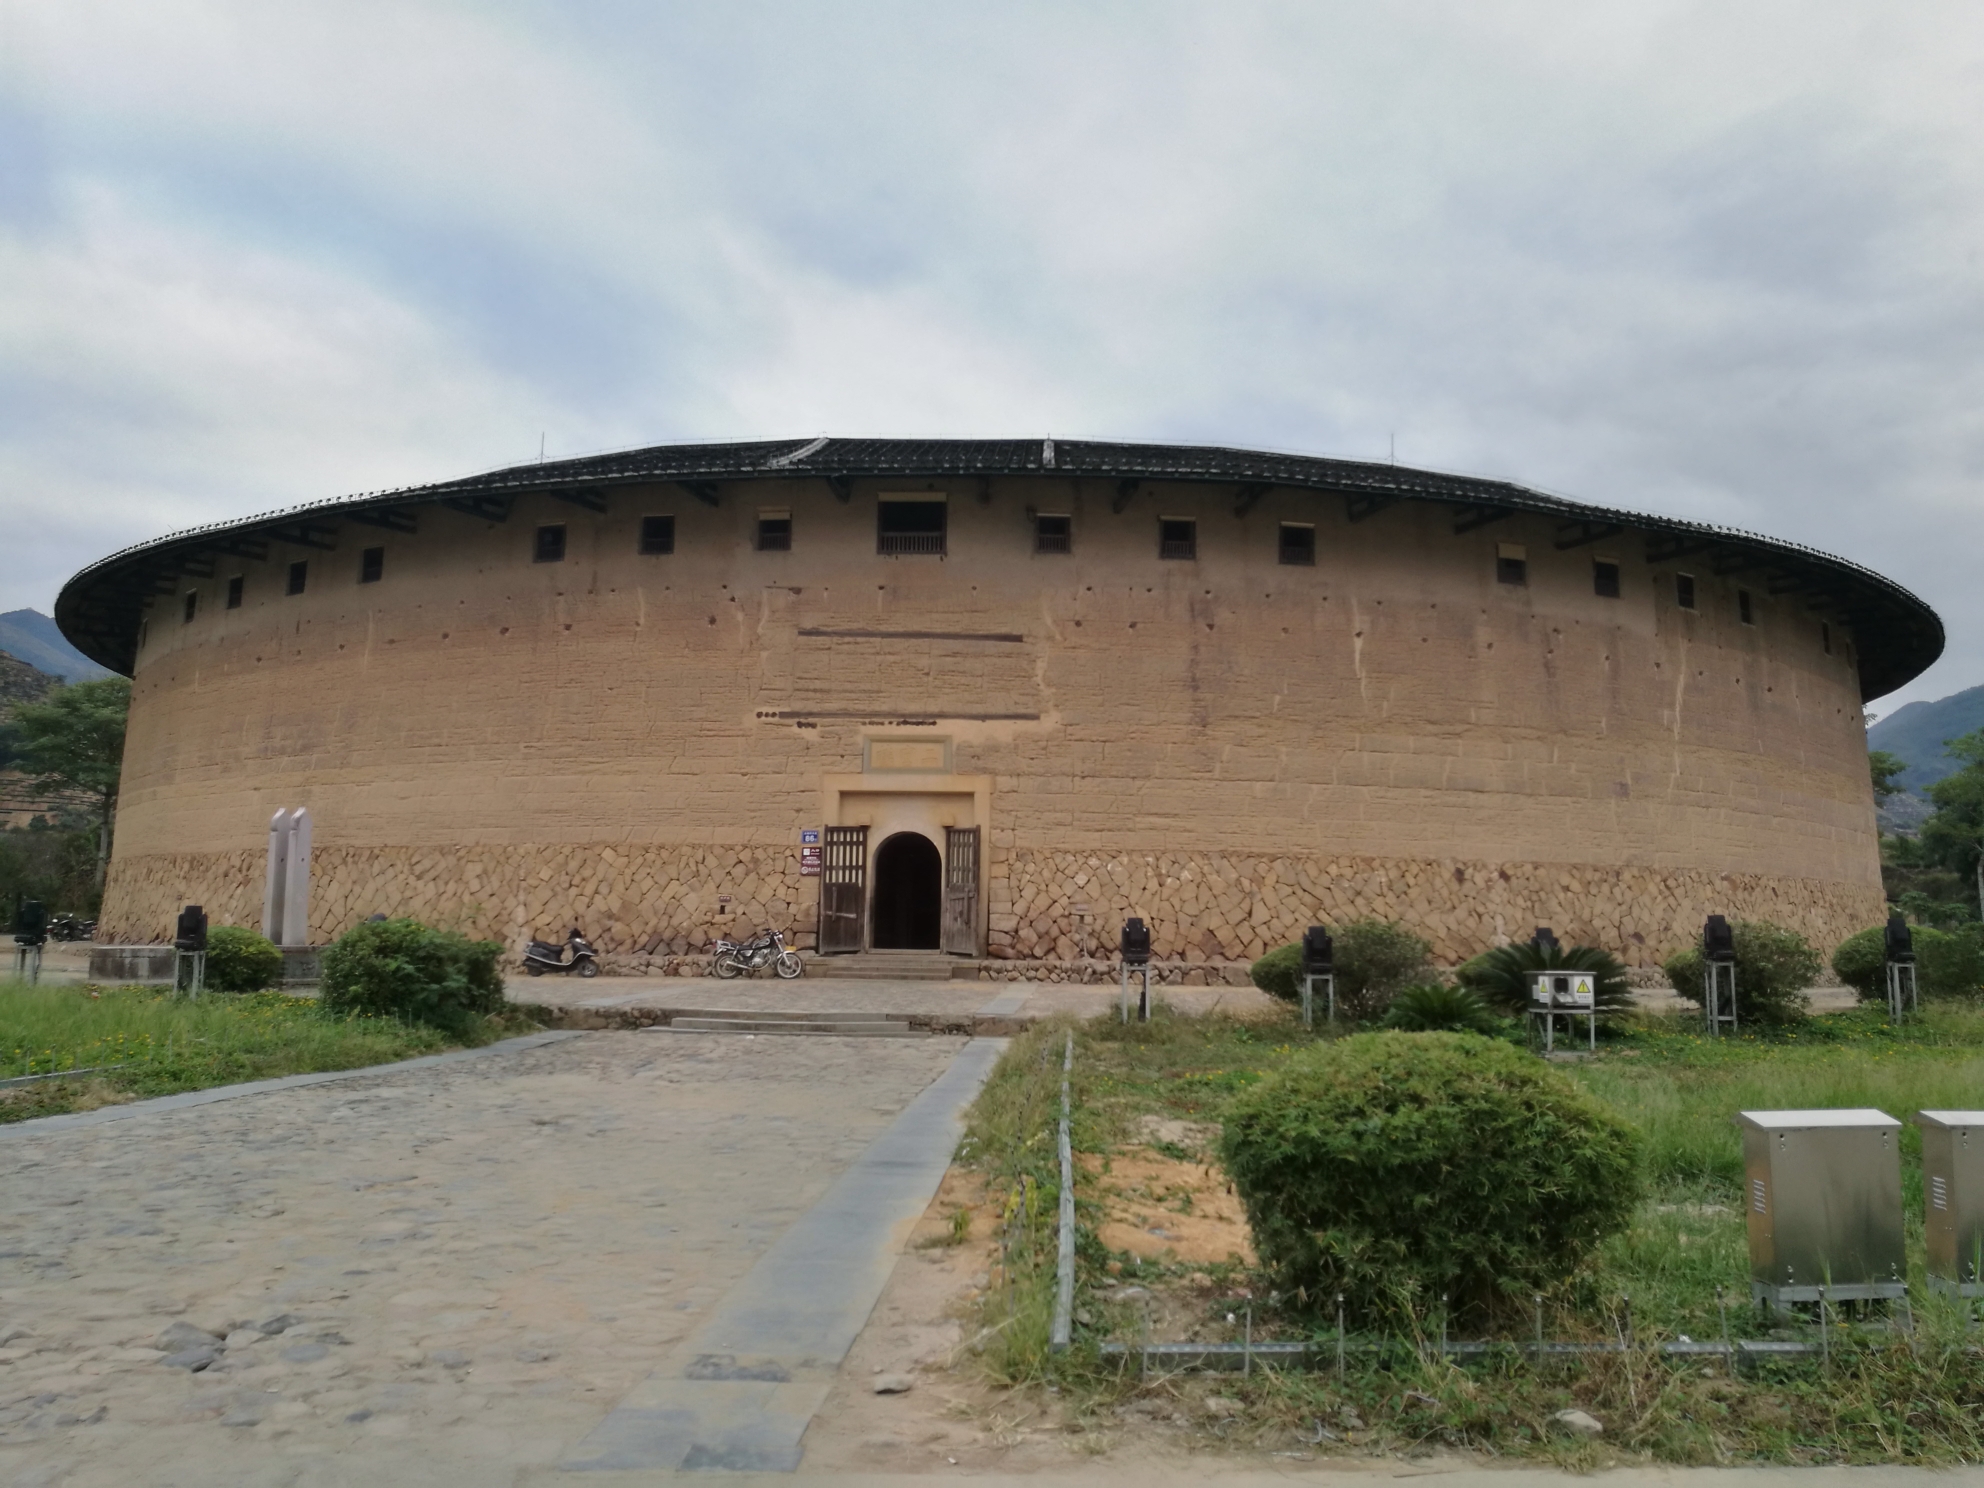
(1822, 1194)
(1953, 1198)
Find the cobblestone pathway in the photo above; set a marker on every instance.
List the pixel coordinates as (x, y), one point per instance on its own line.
(468, 1265)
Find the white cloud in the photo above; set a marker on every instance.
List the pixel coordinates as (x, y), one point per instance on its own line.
(1704, 259)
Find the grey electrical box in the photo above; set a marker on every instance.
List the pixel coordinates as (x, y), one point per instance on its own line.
(1822, 1195)
(1953, 1198)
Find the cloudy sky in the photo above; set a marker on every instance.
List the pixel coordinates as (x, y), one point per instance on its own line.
(1712, 260)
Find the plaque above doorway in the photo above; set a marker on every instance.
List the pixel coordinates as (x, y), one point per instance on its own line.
(918, 756)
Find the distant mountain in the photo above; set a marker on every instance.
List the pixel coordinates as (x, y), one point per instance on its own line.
(32, 637)
(1916, 733)
(21, 683)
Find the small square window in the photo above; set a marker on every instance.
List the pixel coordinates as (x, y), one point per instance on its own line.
(371, 565)
(1298, 544)
(1053, 534)
(550, 544)
(1605, 578)
(1825, 637)
(192, 604)
(657, 534)
(1177, 537)
(1684, 591)
(1743, 611)
(775, 534)
(299, 575)
(1511, 563)
(234, 592)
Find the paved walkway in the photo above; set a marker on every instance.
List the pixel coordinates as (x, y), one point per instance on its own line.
(471, 1263)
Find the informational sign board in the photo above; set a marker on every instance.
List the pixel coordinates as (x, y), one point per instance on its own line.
(809, 862)
(809, 836)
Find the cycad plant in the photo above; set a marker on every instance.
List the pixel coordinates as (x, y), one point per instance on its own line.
(1439, 1007)
(1502, 976)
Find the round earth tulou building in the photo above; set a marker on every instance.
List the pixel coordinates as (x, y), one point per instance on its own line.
(991, 697)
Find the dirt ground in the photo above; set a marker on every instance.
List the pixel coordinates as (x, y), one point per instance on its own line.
(1160, 1205)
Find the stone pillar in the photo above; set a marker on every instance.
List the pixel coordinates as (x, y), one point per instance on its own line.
(272, 892)
(296, 881)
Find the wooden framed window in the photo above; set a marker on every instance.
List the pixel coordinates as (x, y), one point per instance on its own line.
(550, 544)
(657, 535)
(1177, 538)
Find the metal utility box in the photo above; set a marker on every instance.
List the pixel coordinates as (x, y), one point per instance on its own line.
(1822, 1195)
(1569, 995)
(1953, 1198)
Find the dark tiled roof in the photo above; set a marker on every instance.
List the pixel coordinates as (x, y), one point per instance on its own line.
(1898, 636)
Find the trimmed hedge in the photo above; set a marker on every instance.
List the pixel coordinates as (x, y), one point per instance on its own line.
(240, 960)
(1774, 966)
(404, 969)
(1948, 963)
(1395, 1167)
(1501, 976)
(1374, 959)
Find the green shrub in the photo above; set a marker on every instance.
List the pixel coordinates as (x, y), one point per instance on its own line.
(1374, 959)
(1501, 976)
(404, 969)
(239, 960)
(1397, 1167)
(1948, 963)
(1774, 966)
(1439, 1007)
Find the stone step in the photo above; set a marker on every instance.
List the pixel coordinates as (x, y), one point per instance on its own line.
(790, 1027)
(894, 966)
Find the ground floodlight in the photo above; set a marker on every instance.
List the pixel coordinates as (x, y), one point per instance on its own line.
(1318, 951)
(191, 932)
(1136, 942)
(1900, 940)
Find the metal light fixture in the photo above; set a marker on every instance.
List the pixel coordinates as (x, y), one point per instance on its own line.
(189, 940)
(1718, 975)
(1318, 965)
(1133, 950)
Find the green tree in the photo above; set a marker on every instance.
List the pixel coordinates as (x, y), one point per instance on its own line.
(1885, 766)
(74, 743)
(1953, 837)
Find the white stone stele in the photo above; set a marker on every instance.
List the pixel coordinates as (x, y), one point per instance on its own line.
(286, 891)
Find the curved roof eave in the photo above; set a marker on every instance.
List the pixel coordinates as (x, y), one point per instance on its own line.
(1898, 635)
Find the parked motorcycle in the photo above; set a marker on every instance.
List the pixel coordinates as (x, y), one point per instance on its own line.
(68, 927)
(734, 958)
(541, 956)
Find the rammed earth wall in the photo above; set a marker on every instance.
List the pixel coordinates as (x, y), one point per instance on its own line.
(1227, 745)
(652, 910)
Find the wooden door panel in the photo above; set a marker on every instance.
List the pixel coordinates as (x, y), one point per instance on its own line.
(843, 889)
(961, 890)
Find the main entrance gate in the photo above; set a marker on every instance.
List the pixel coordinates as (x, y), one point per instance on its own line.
(916, 900)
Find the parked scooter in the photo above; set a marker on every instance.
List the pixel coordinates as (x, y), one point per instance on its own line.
(68, 927)
(541, 956)
(732, 959)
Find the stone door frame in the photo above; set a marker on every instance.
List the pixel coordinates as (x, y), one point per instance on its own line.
(890, 801)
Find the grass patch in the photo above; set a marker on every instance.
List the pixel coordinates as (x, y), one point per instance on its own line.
(137, 1042)
(1887, 1394)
